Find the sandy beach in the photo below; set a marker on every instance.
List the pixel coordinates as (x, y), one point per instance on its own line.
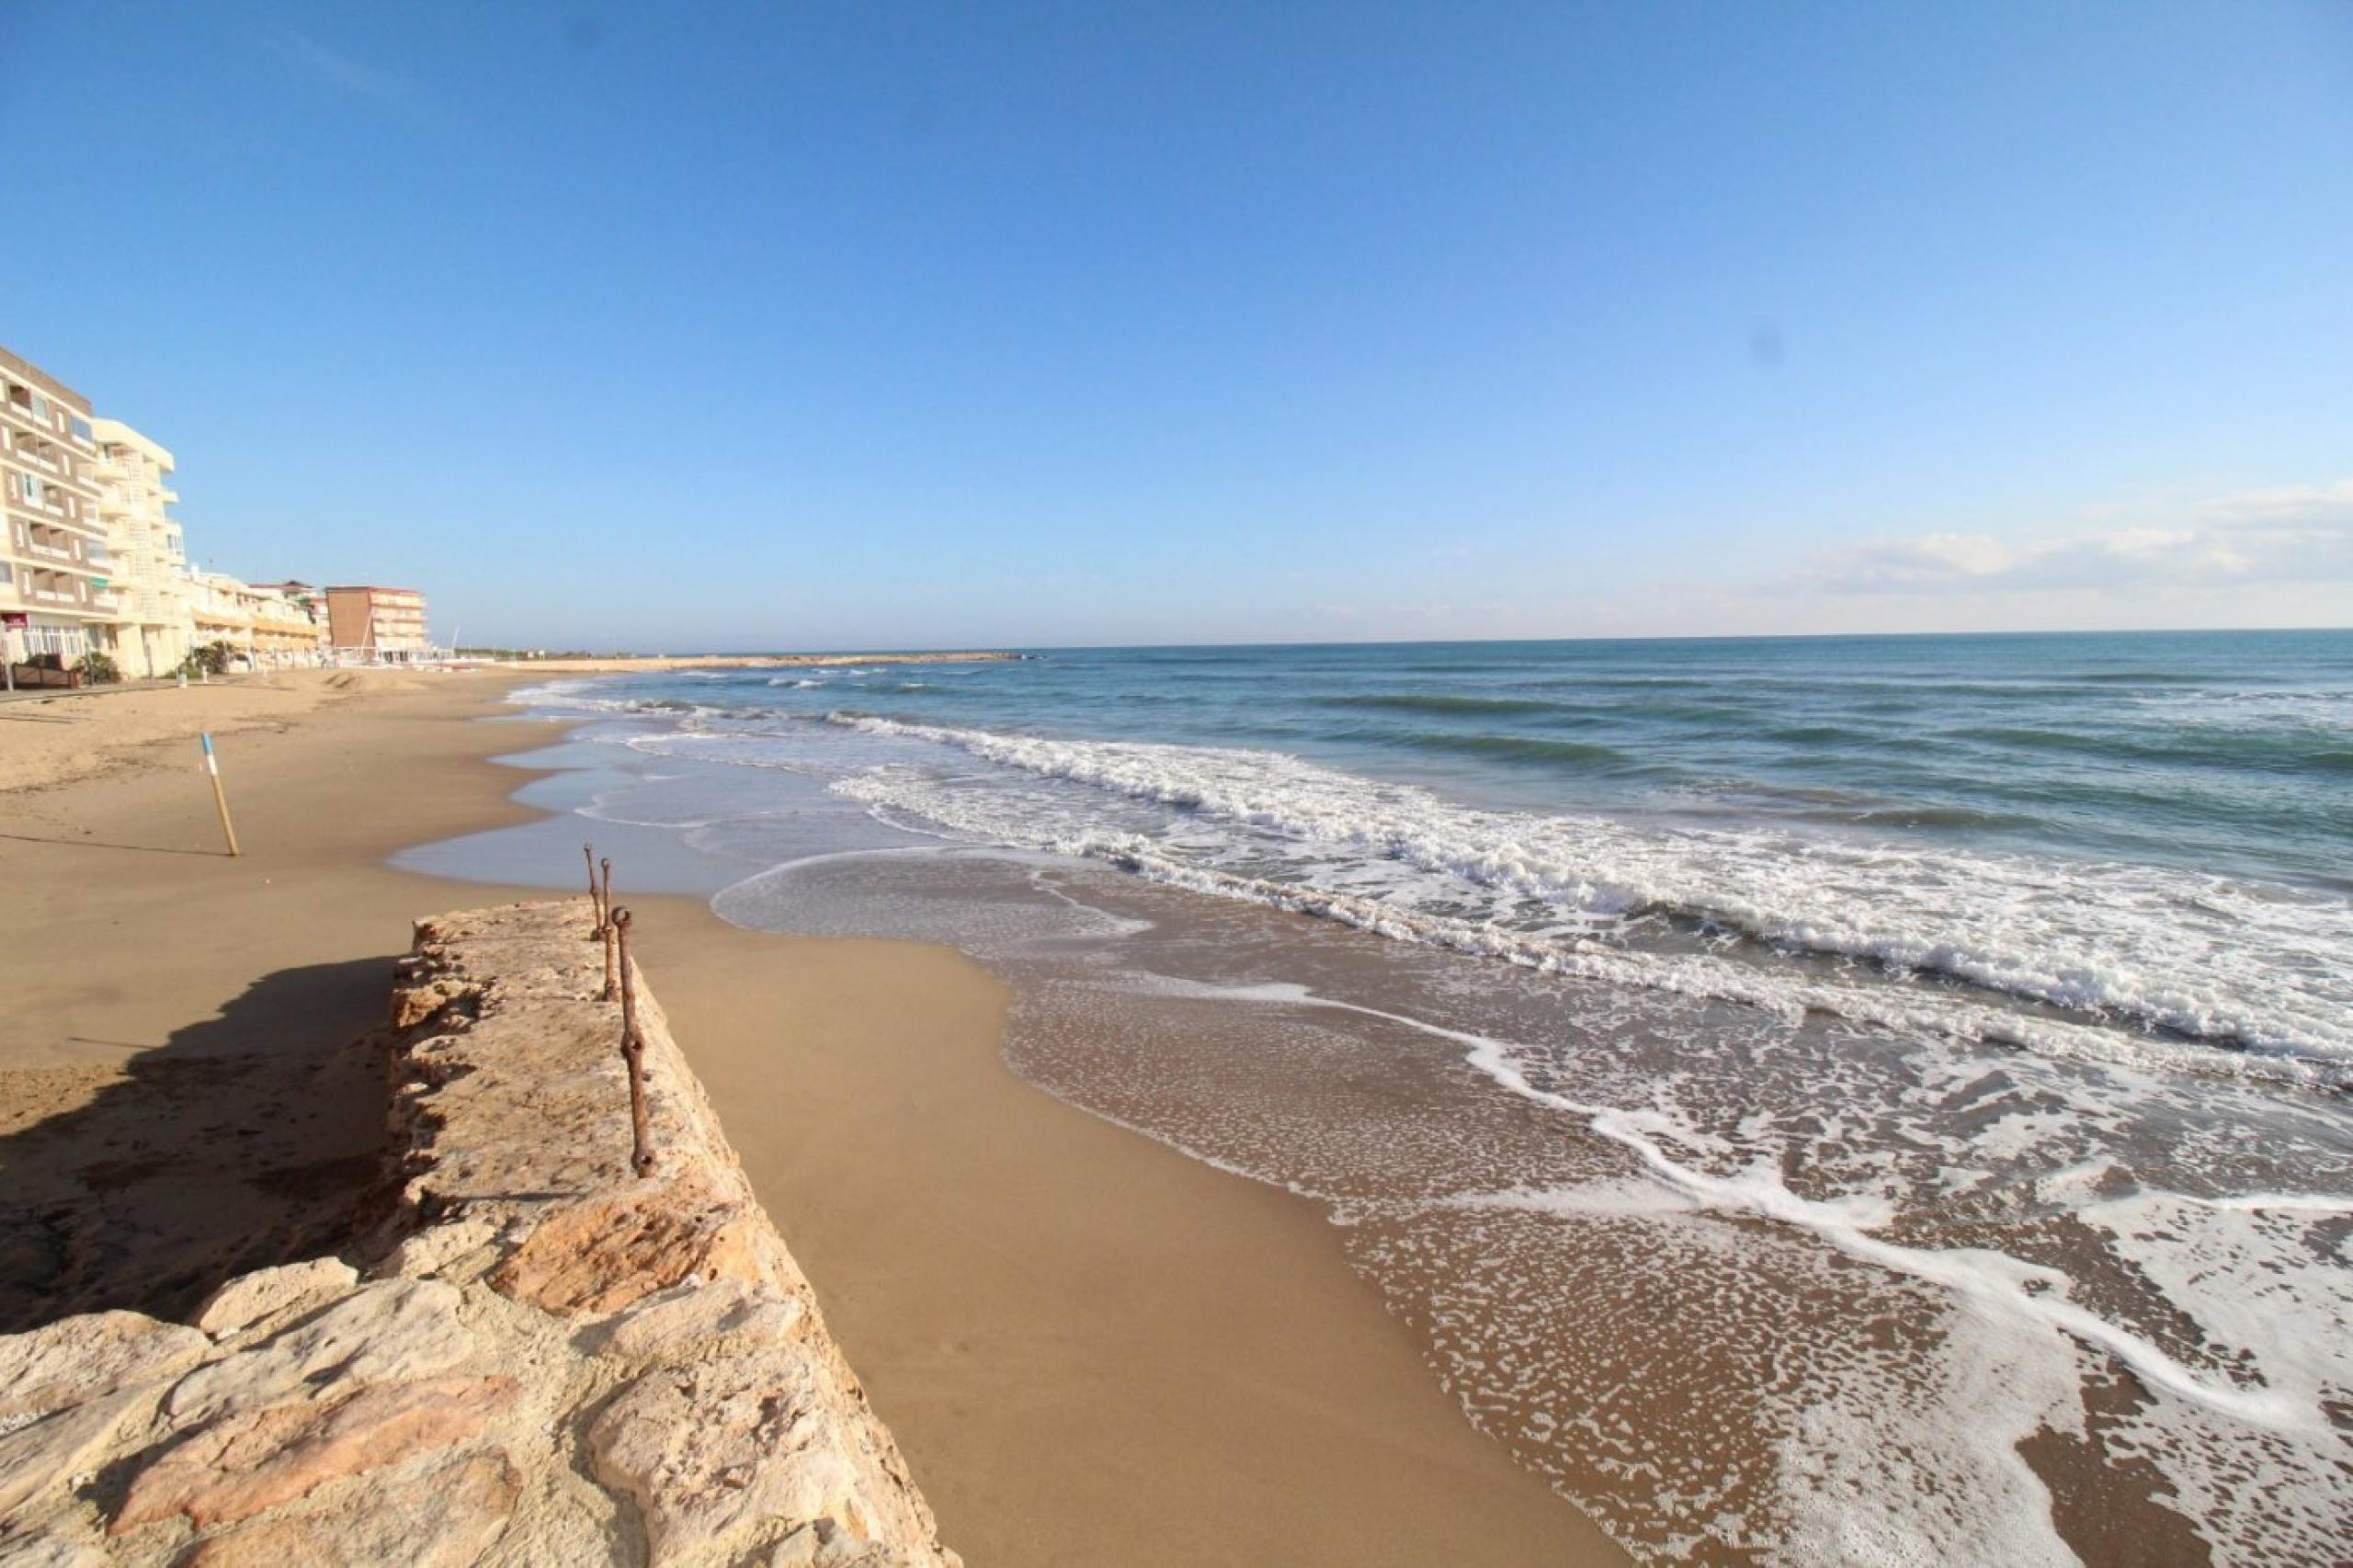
(1090, 1347)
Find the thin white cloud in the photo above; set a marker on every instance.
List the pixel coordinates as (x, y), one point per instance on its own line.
(2302, 536)
(338, 70)
(2290, 503)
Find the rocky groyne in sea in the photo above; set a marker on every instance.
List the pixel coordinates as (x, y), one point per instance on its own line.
(528, 1353)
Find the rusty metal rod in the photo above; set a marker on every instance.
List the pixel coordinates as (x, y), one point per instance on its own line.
(641, 1154)
(612, 981)
(595, 905)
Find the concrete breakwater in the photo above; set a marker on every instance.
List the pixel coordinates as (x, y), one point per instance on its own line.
(528, 1354)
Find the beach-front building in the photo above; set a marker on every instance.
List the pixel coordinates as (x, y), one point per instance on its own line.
(92, 561)
(378, 622)
(217, 612)
(147, 550)
(56, 590)
(287, 629)
(261, 626)
(312, 600)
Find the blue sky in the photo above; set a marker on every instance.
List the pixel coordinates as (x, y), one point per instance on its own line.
(833, 325)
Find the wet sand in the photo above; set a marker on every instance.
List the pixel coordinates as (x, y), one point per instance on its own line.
(1091, 1348)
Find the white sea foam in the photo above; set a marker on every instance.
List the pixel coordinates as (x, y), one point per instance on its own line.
(1914, 1463)
(2265, 969)
(1989, 1281)
(2288, 1395)
(1770, 1159)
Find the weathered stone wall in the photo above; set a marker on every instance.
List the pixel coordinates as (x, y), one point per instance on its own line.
(534, 1356)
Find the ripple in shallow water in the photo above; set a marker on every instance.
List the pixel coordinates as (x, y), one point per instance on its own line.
(1799, 1288)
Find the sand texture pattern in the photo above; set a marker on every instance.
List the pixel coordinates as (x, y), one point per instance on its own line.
(61, 736)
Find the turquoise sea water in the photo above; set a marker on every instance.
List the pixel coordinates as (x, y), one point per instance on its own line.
(1871, 1099)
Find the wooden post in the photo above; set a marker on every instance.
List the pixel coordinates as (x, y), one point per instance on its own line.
(595, 905)
(612, 984)
(641, 1153)
(220, 796)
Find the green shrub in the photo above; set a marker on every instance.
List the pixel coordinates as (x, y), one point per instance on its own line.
(100, 669)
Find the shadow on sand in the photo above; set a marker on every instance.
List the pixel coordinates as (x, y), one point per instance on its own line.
(243, 1141)
(86, 842)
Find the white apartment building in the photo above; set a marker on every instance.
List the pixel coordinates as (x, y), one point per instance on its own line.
(56, 575)
(92, 561)
(263, 626)
(148, 555)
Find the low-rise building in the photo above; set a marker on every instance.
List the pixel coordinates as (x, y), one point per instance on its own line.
(56, 590)
(260, 625)
(217, 611)
(286, 628)
(311, 599)
(376, 622)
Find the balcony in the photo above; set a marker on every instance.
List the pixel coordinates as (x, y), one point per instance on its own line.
(50, 551)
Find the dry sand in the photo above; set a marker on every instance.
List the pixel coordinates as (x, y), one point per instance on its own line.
(52, 736)
(1091, 1348)
(179, 1094)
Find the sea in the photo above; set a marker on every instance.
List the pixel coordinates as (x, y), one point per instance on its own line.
(1875, 1099)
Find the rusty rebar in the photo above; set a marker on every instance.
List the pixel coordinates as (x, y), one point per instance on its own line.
(612, 981)
(641, 1154)
(605, 904)
(595, 905)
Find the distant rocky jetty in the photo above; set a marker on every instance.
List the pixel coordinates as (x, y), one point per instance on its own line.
(622, 663)
(533, 1356)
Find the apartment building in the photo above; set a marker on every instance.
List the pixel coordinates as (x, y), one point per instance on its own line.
(312, 600)
(379, 621)
(261, 625)
(56, 575)
(148, 553)
(287, 629)
(92, 561)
